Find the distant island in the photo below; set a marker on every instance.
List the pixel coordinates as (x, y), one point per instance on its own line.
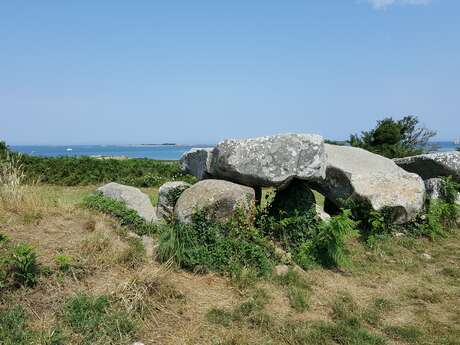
(163, 144)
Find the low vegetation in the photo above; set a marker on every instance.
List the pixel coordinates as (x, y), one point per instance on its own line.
(118, 209)
(74, 171)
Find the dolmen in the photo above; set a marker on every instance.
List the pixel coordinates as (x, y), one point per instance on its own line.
(341, 173)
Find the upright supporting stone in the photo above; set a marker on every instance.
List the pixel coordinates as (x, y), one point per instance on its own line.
(258, 195)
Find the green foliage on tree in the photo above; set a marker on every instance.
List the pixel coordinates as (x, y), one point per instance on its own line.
(3, 149)
(394, 138)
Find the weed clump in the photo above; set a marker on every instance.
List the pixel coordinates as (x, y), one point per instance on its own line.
(311, 240)
(18, 265)
(297, 289)
(13, 329)
(250, 311)
(96, 320)
(206, 245)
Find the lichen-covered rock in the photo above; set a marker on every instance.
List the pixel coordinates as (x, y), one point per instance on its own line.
(219, 199)
(168, 194)
(270, 161)
(321, 214)
(433, 164)
(132, 197)
(433, 188)
(196, 162)
(356, 174)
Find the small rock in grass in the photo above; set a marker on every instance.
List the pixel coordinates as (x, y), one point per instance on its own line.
(425, 256)
(281, 270)
(283, 256)
(132, 197)
(168, 194)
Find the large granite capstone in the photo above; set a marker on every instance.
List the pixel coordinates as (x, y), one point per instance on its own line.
(219, 200)
(359, 175)
(270, 161)
(433, 164)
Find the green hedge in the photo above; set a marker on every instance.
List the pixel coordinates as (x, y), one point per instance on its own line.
(72, 171)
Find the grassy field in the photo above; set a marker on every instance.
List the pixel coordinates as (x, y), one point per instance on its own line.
(97, 286)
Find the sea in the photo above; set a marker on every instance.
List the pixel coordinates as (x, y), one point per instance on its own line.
(160, 152)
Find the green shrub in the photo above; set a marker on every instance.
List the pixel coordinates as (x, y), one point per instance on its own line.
(23, 267)
(327, 244)
(72, 171)
(310, 240)
(440, 218)
(290, 232)
(208, 245)
(97, 321)
(449, 190)
(119, 210)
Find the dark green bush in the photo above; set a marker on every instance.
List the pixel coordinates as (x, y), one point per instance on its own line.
(119, 210)
(309, 239)
(394, 138)
(209, 245)
(327, 243)
(72, 171)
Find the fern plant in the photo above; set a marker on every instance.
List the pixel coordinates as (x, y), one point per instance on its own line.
(328, 243)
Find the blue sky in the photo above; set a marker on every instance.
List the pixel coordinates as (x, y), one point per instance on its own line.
(82, 72)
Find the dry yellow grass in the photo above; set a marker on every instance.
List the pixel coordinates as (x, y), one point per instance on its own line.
(173, 305)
